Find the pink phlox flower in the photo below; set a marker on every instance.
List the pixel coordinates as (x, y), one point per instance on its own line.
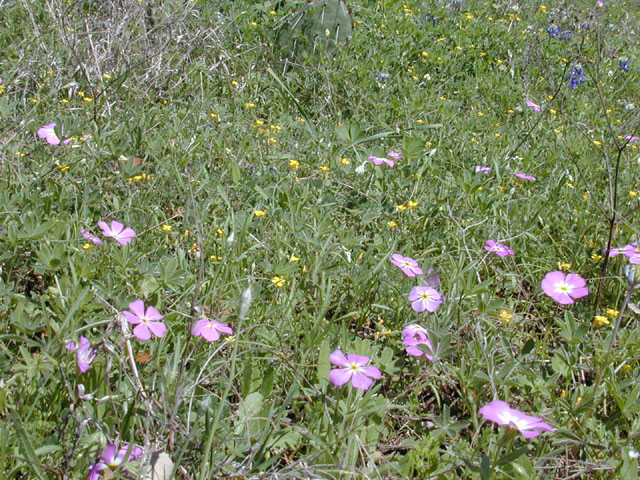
(631, 138)
(564, 290)
(432, 279)
(535, 106)
(395, 155)
(355, 370)
(626, 250)
(413, 329)
(425, 298)
(498, 248)
(84, 352)
(483, 169)
(407, 264)
(48, 132)
(112, 458)
(210, 330)
(418, 337)
(523, 176)
(90, 237)
(117, 231)
(501, 413)
(145, 321)
(380, 161)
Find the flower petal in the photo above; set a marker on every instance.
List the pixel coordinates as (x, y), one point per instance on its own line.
(338, 358)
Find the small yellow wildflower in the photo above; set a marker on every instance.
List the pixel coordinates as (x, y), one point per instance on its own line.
(220, 232)
(278, 281)
(345, 161)
(64, 101)
(400, 208)
(597, 143)
(552, 111)
(424, 54)
(570, 185)
(506, 316)
(230, 339)
(411, 204)
(87, 246)
(596, 257)
(254, 24)
(259, 213)
(626, 367)
(585, 196)
(600, 320)
(612, 312)
(300, 120)
(510, 111)
(497, 135)
(443, 98)
(167, 228)
(633, 194)
(324, 169)
(564, 266)
(272, 12)
(106, 76)
(392, 224)
(420, 121)
(213, 115)
(249, 105)
(482, 54)
(214, 258)
(272, 140)
(234, 83)
(480, 114)
(293, 258)
(64, 168)
(543, 8)
(294, 164)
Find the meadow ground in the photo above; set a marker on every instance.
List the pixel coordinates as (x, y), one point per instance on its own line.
(392, 241)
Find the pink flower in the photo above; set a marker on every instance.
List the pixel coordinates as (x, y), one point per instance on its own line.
(498, 248)
(48, 132)
(502, 414)
(84, 352)
(395, 155)
(210, 330)
(425, 298)
(112, 458)
(90, 237)
(407, 264)
(535, 106)
(564, 290)
(483, 169)
(146, 322)
(413, 329)
(355, 370)
(626, 250)
(380, 161)
(523, 176)
(631, 139)
(418, 336)
(117, 231)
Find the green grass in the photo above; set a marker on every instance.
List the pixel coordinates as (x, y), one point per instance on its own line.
(249, 168)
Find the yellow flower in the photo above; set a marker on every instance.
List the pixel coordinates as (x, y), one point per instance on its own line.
(543, 8)
(564, 266)
(420, 121)
(612, 312)
(64, 168)
(272, 12)
(64, 101)
(214, 258)
(597, 143)
(106, 76)
(230, 339)
(87, 99)
(443, 98)
(234, 83)
(272, 140)
(254, 24)
(626, 367)
(392, 224)
(293, 258)
(220, 232)
(633, 194)
(167, 228)
(294, 164)
(344, 161)
(506, 316)
(480, 114)
(596, 257)
(412, 204)
(570, 185)
(278, 281)
(552, 111)
(87, 246)
(324, 168)
(400, 208)
(249, 105)
(300, 120)
(510, 111)
(585, 196)
(600, 320)
(213, 115)
(260, 213)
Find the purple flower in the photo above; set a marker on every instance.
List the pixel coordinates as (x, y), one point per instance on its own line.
(210, 330)
(90, 237)
(535, 106)
(624, 65)
(564, 290)
(407, 264)
(626, 250)
(84, 352)
(117, 231)
(416, 336)
(48, 132)
(432, 280)
(112, 458)
(552, 31)
(355, 370)
(425, 298)
(413, 329)
(380, 161)
(502, 414)
(483, 169)
(395, 155)
(631, 138)
(523, 176)
(498, 248)
(146, 322)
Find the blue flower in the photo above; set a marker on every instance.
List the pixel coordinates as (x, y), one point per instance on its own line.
(576, 77)
(552, 31)
(624, 65)
(565, 35)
